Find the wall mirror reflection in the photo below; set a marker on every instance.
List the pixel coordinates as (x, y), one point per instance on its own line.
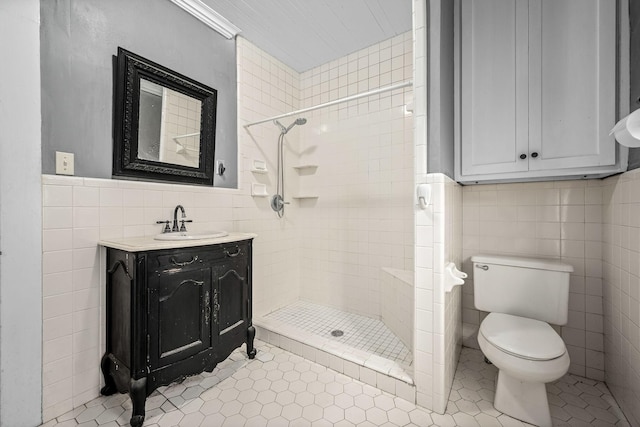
(164, 123)
(169, 126)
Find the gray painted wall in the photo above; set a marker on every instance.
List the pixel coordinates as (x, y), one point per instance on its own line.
(440, 144)
(78, 40)
(20, 216)
(634, 69)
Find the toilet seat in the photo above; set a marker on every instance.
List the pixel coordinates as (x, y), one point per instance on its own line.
(522, 337)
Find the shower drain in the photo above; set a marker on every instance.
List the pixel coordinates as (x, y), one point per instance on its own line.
(337, 333)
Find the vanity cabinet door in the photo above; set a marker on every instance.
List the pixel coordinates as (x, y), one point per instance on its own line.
(180, 315)
(231, 300)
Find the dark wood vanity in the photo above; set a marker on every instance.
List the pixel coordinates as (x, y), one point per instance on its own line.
(173, 312)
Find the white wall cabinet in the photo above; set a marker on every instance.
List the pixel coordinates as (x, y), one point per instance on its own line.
(536, 90)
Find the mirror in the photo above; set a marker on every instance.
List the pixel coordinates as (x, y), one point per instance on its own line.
(168, 126)
(164, 123)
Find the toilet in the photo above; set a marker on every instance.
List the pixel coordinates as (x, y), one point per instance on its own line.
(523, 296)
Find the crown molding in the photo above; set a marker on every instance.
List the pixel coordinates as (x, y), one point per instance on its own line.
(208, 16)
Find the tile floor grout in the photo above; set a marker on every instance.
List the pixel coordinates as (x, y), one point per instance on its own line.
(278, 388)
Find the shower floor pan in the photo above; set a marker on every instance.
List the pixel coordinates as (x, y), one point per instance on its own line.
(366, 350)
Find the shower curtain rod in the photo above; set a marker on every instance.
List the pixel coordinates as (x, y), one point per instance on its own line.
(334, 102)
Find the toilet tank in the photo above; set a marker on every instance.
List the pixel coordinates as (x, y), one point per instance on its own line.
(536, 288)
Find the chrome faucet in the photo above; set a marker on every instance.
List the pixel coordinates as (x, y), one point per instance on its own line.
(175, 227)
(175, 219)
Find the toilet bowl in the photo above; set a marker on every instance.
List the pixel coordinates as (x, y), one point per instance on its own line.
(528, 354)
(522, 296)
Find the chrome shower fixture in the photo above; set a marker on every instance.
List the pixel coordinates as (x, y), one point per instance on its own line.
(277, 201)
(283, 130)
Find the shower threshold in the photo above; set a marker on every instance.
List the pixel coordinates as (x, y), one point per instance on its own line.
(366, 350)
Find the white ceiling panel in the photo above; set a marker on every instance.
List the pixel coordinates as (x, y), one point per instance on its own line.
(306, 33)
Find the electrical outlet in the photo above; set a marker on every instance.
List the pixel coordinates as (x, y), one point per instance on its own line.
(64, 163)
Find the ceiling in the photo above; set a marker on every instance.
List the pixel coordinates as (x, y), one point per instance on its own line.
(307, 33)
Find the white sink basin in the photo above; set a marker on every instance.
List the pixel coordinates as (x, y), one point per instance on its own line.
(189, 235)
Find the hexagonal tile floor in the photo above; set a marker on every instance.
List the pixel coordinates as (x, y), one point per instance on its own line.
(281, 389)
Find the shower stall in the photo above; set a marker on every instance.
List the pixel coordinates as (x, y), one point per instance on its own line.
(335, 277)
(350, 188)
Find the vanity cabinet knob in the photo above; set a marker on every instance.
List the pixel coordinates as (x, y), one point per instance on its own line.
(523, 156)
(534, 154)
(216, 306)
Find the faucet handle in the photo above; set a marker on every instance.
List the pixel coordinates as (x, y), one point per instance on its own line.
(167, 228)
(182, 227)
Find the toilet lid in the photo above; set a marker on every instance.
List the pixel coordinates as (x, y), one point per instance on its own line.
(525, 338)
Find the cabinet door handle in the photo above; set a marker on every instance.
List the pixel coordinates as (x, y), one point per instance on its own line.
(234, 254)
(534, 154)
(182, 264)
(207, 308)
(523, 156)
(216, 306)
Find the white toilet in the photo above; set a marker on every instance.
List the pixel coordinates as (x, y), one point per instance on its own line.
(522, 296)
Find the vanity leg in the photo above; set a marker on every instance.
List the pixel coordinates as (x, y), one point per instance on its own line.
(138, 394)
(109, 384)
(251, 334)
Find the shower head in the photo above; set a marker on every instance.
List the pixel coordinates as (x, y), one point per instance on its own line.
(299, 121)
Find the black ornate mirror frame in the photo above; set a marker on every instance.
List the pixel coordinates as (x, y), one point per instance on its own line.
(130, 68)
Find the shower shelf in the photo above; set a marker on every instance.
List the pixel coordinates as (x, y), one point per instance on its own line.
(303, 167)
(259, 190)
(259, 166)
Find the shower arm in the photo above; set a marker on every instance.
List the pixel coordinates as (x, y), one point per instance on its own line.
(281, 126)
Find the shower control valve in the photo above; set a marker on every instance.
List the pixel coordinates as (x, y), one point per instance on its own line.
(277, 203)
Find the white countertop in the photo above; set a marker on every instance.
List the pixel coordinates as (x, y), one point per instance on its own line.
(148, 243)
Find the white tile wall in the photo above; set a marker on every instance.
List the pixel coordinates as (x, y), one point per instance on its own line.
(361, 221)
(452, 300)
(621, 290)
(424, 336)
(397, 303)
(560, 219)
(267, 87)
(438, 321)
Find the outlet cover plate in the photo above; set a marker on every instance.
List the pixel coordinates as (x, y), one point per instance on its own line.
(64, 163)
